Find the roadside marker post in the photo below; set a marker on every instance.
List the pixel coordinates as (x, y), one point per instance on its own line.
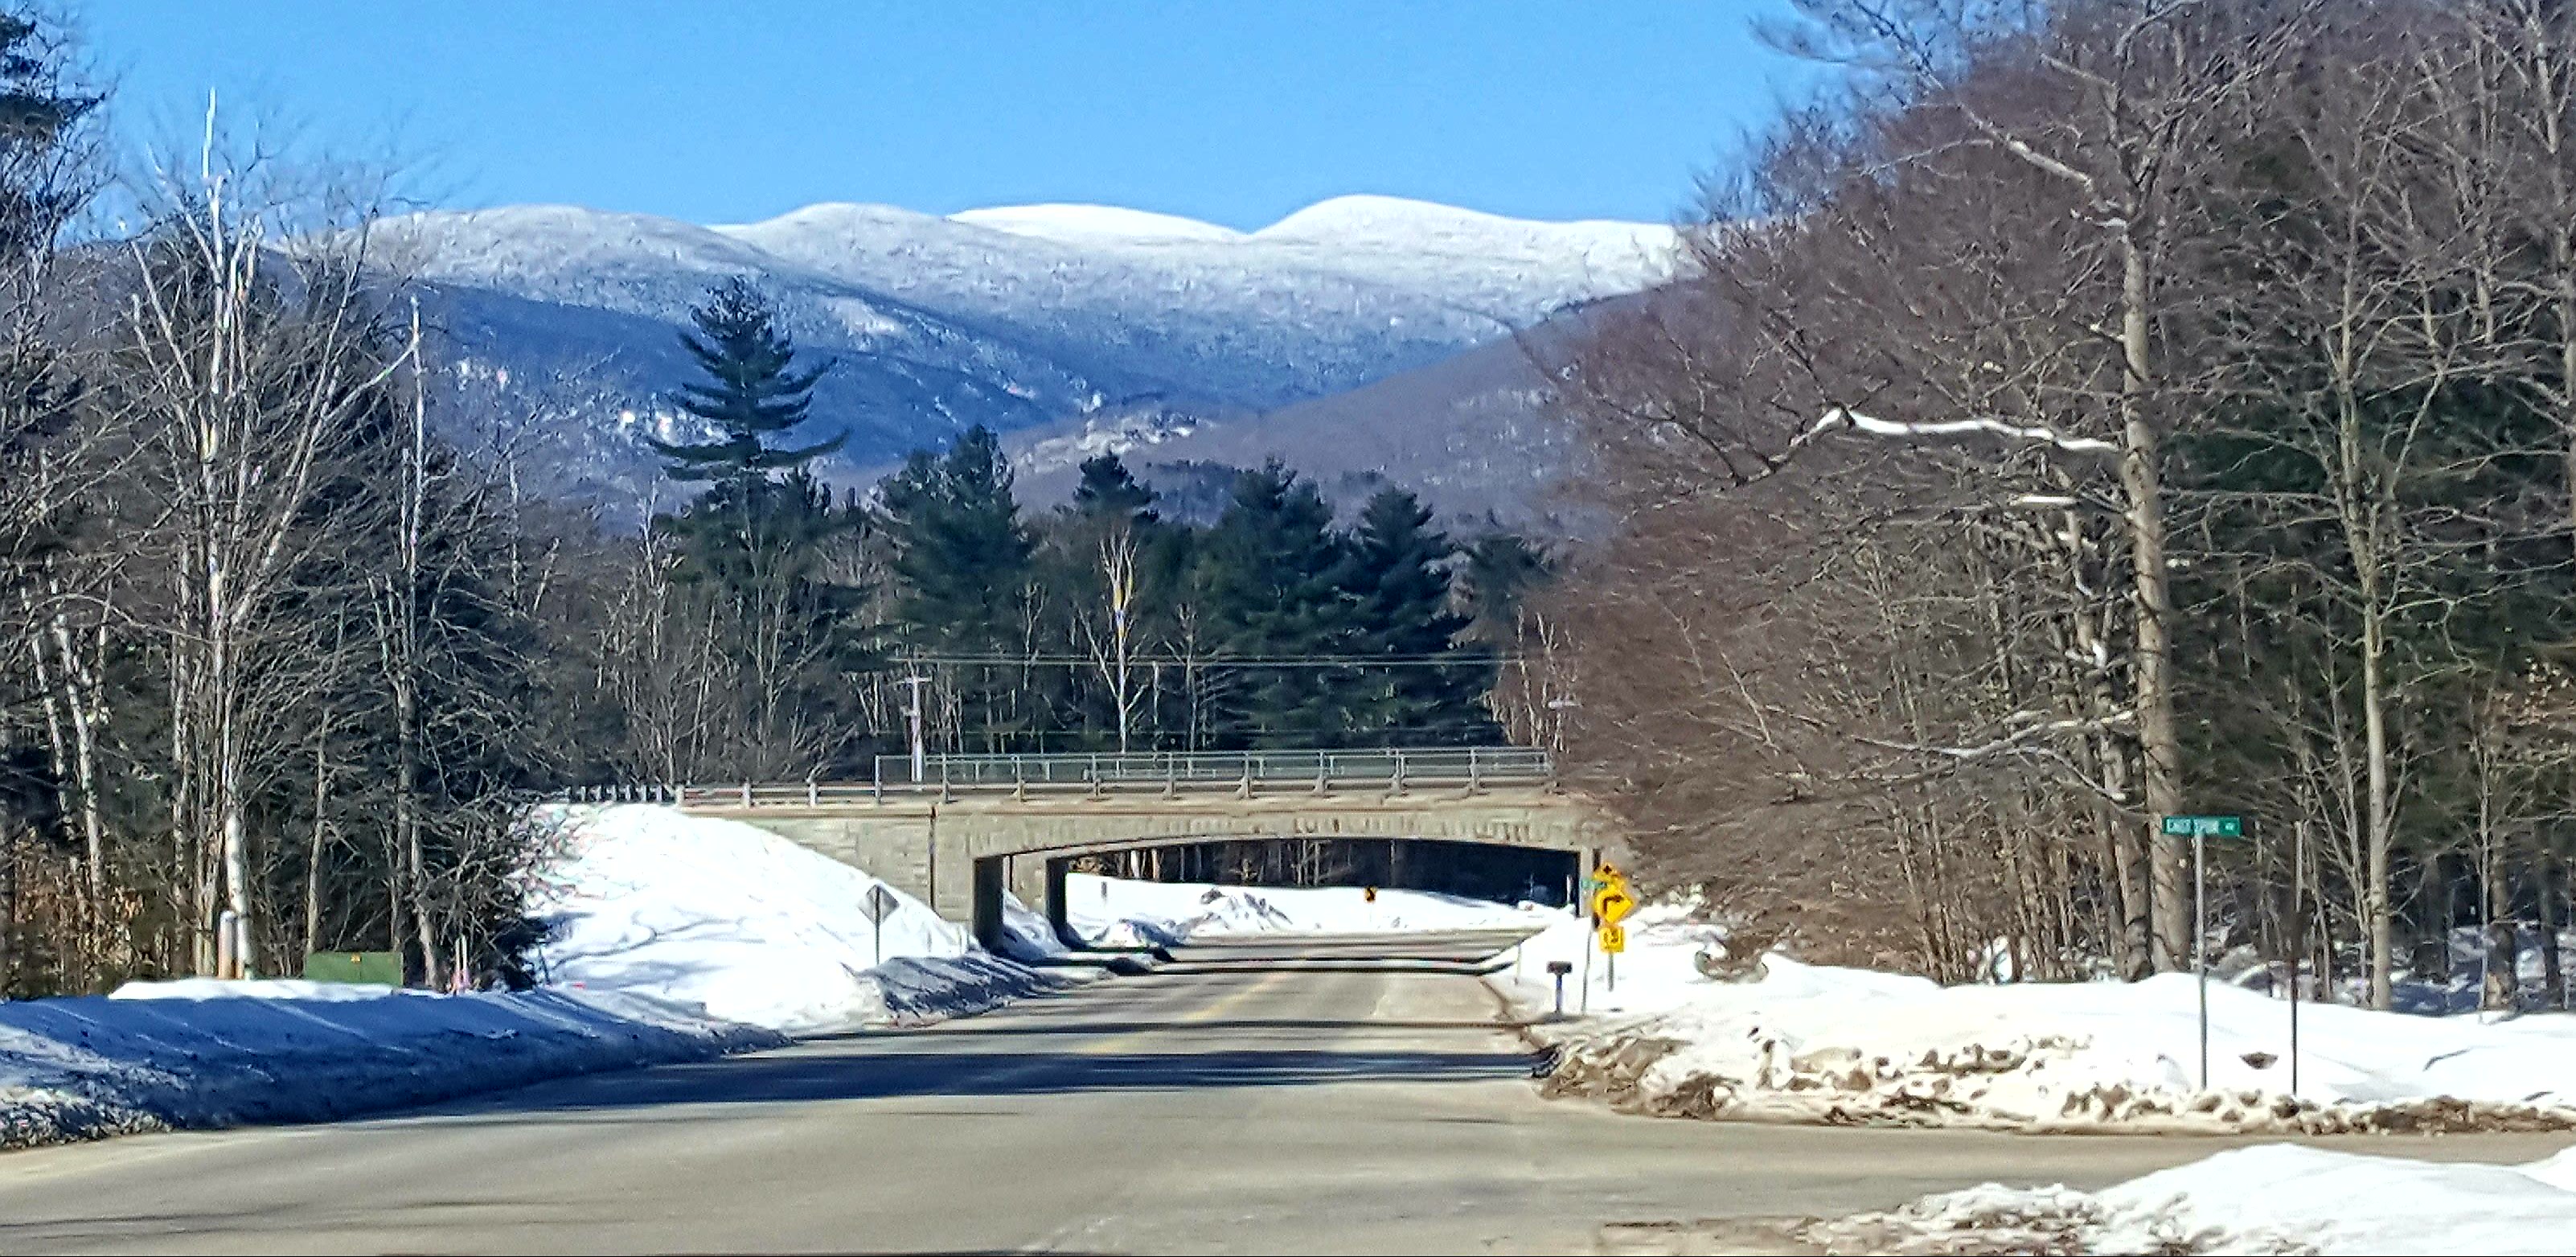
(880, 904)
(1611, 902)
(2298, 950)
(2201, 829)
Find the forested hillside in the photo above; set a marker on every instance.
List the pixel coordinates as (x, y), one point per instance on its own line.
(2092, 412)
(294, 626)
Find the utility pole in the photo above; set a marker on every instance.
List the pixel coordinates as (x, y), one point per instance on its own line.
(912, 714)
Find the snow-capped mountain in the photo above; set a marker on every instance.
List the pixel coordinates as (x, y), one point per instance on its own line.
(1100, 318)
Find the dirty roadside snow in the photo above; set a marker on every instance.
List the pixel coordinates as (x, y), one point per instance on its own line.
(1811, 1043)
(2273, 1198)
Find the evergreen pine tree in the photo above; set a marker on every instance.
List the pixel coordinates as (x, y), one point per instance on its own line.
(753, 392)
(963, 562)
(1501, 570)
(1401, 587)
(1274, 580)
(1108, 490)
(761, 542)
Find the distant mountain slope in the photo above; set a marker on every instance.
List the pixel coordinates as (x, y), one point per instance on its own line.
(1469, 433)
(1017, 317)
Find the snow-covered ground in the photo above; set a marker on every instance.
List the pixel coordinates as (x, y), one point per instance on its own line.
(2274, 1198)
(700, 911)
(673, 938)
(1116, 912)
(157, 1056)
(1812, 1043)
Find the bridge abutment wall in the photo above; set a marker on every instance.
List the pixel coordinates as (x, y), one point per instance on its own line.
(959, 854)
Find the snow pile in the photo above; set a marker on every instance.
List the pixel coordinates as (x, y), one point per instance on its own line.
(1795, 1042)
(1027, 935)
(1657, 972)
(673, 938)
(1115, 912)
(2276, 1198)
(752, 928)
(203, 1054)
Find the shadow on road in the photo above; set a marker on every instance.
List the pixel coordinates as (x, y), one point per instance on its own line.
(797, 1078)
(968, 1029)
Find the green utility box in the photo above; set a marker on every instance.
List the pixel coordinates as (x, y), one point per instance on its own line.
(383, 967)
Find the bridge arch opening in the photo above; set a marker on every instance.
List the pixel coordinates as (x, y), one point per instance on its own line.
(1500, 872)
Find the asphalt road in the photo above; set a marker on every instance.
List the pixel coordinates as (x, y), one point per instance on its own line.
(1263, 1097)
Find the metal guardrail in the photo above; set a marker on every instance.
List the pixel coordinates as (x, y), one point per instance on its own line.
(1245, 773)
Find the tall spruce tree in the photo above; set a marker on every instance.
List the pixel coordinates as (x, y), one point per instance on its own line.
(1108, 491)
(761, 536)
(1275, 581)
(1502, 569)
(963, 564)
(1400, 583)
(753, 392)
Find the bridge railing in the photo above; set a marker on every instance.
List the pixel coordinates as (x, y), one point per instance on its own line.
(1202, 769)
(1169, 772)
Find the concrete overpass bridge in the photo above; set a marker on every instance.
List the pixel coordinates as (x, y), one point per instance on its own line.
(970, 826)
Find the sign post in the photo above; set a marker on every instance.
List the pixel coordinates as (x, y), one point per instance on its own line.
(1611, 903)
(2299, 927)
(880, 904)
(912, 716)
(2201, 829)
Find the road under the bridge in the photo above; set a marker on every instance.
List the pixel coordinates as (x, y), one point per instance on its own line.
(1341, 1102)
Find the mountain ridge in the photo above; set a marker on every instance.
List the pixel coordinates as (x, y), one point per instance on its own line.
(1017, 317)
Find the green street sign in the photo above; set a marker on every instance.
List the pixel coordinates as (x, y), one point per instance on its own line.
(2204, 826)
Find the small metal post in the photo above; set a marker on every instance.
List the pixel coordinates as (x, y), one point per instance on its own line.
(2299, 949)
(2200, 940)
(912, 714)
(746, 794)
(1475, 774)
(1019, 779)
(1399, 774)
(810, 800)
(1584, 1004)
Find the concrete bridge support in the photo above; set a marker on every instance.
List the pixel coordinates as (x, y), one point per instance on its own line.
(961, 854)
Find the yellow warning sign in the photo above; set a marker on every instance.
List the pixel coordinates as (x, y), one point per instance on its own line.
(1614, 940)
(1611, 899)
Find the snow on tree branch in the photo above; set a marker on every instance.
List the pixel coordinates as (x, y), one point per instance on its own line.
(1844, 417)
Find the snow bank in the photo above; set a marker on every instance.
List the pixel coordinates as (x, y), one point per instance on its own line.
(672, 938)
(1115, 912)
(204, 1054)
(1811, 1043)
(1655, 974)
(2276, 1198)
(752, 928)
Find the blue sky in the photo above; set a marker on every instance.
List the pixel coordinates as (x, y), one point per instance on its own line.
(1235, 111)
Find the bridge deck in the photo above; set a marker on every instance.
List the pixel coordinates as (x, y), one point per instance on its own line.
(1395, 770)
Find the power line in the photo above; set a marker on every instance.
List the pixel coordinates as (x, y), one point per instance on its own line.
(1243, 661)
